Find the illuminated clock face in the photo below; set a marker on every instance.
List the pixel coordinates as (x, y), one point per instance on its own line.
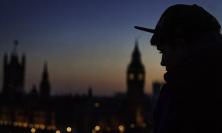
(131, 76)
(140, 76)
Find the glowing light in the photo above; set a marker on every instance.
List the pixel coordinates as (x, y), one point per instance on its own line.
(5, 122)
(131, 76)
(93, 131)
(97, 128)
(36, 126)
(15, 123)
(57, 131)
(50, 127)
(121, 128)
(20, 124)
(69, 129)
(33, 130)
(132, 125)
(25, 124)
(97, 105)
(144, 125)
(108, 129)
(42, 126)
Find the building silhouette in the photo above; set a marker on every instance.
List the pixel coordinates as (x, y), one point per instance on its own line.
(37, 110)
(156, 92)
(45, 86)
(137, 102)
(156, 89)
(13, 73)
(135, 75)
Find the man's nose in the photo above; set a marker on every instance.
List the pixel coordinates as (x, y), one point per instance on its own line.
(163, 60)
(162, 63)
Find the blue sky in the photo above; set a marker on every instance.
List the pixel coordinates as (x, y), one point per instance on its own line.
(85, 42)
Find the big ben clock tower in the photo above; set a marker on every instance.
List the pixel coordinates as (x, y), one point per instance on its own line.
(135, 89)
(135, 75)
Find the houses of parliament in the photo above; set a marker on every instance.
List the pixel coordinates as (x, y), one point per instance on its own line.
(40, 112)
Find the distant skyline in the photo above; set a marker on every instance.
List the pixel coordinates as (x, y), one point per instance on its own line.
(85, 42)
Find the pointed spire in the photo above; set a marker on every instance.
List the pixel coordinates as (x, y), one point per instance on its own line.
(34, 91)
(136, 53)
(136, 48)
(136, 42)
(14, 56)
(45, 86)
(90, 93)
(45, 67)
(45, 71)
(15, 47)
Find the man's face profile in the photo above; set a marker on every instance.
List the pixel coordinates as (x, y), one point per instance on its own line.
(172, 56)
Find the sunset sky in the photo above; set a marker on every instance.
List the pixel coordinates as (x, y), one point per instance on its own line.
(85, 42)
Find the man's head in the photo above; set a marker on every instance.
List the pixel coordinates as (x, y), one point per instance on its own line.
(177, 30)
(183, 21)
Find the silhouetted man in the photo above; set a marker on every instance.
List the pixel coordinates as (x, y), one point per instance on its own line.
(191, 45)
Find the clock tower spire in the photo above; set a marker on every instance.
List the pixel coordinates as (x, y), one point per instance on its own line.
(135, 75)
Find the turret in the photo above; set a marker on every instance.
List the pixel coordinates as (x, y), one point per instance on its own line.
(90, 93)
(136, 56)
(14, 55)
(13, 73)
(45, 86)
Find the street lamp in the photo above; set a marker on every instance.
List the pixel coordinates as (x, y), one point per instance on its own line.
(33, 130)
(69, 129)
(121, 128)
(97, 128)
(57, 131)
